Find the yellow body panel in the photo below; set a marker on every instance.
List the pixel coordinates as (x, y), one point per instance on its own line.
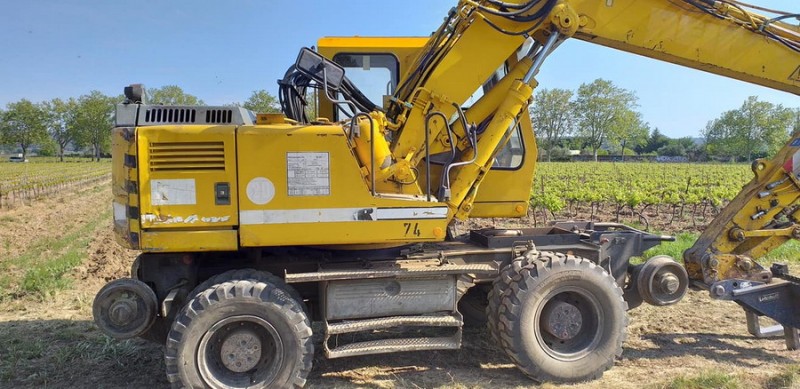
(178, 241)
(506, 192)
(181, 167)
(301, 185)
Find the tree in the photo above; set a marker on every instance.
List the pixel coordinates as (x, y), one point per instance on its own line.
(261, 101)
(655, 141)
(93, 121)
(629, 130)
(599, 107)
(24, 124)
(721, 136)
(795, 121)
(61, 123)
(756, 129)
(312, 110)
(552, 117)
(171, 95)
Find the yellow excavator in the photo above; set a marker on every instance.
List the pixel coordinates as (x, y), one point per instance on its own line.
(253, 225)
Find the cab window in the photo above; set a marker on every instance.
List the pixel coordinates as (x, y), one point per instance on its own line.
(374, 74)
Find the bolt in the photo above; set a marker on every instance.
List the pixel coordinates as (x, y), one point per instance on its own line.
(713, 263)
(669, 283)
(719, 291)
(737, 234)
(745, 264)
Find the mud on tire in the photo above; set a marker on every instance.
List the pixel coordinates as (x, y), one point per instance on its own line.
(562, 319)
(241, 333)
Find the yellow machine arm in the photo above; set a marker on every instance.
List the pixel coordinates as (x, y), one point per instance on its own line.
(720, 37)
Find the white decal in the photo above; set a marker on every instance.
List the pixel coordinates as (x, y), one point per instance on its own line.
(308, 174)
(260, 190)
(173, 192)
(329, 215)
(191, 219)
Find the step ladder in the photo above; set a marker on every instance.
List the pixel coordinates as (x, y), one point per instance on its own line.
(393, 344)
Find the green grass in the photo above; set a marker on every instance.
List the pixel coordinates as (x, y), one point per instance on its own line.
(788, 252)
(788, 378)
(711, 379)
(46, 262)
(36, 354)
(674, 249)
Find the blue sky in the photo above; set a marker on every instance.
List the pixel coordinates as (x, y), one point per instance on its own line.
(222, 51)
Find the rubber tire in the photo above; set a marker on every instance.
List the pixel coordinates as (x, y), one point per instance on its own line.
(159, 331)
(245, 274)
(529, 287)
(502, 285)
(472, 306)
(146, 299)
(248, 274)
(243, 297)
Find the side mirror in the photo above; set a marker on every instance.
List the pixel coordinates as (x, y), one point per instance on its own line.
(320, 69)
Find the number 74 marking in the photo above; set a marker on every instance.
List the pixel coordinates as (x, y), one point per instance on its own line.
(412, 228)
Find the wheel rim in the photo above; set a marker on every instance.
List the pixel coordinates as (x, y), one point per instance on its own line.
(240, 351)
(569, 323)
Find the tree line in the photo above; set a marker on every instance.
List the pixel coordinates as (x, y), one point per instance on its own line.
(86, 121)
(599, 117)
(602, 118)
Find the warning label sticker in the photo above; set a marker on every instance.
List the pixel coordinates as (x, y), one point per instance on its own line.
(308, 174)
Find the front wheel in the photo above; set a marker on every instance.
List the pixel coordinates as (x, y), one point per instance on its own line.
(240, 334)
(562, 320)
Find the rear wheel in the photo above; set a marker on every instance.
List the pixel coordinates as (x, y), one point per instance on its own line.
(240, 334)
(563, 320)
(502, 285)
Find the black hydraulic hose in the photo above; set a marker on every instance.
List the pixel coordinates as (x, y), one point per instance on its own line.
(525, 8)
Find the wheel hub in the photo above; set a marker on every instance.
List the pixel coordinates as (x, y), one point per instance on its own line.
(241, 350)
(562, 320)
(669, 283)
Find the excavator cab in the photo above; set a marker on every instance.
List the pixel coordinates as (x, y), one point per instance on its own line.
(375, 65)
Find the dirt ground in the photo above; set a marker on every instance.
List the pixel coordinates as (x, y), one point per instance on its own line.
(52, 342)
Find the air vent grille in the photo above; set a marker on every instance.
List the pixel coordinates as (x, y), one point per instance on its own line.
(221, 116)
(170, 115)
(195, 156)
